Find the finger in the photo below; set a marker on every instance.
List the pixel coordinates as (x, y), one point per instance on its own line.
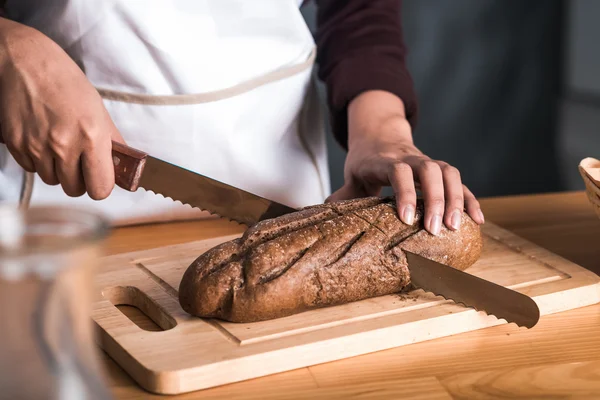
(402, 181)
(346, 192)
(18, 151)
(432, 186)
(21, 158)
(115, 133)
(453, 190)
(371, 190)
(70, 176)
(44, 166)
(24, 161)
(98, 169)
(472, 206)
(116, 136)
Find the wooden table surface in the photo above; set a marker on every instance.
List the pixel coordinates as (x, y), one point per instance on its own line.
(558, 358)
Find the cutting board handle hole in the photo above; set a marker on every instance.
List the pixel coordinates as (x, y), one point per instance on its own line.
(139, 308)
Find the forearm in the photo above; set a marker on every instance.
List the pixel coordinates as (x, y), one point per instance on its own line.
(360, 49)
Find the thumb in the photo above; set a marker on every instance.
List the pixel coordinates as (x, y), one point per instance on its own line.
(352, 191)
(116, 136)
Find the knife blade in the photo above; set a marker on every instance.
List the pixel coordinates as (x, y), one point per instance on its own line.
(135, 169)
(472, 291)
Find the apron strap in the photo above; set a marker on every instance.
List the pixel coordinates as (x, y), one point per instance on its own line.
(26, 189)
(199, 98)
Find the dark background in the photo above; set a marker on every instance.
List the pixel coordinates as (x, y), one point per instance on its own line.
(509, 90)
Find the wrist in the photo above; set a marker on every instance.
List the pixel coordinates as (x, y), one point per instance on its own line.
(15, 39)
(10, 32)
(5, 28)
(376, 115)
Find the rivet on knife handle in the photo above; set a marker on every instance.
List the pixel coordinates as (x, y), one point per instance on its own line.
(129, 165)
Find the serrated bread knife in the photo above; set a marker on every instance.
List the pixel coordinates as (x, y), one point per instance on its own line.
(135, 169)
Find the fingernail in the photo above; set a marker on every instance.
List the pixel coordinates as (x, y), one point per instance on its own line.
(481, 216)
(408, 216)
(436, 224)
(455, 220)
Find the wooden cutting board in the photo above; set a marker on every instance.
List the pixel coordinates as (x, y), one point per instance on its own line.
(192, 353)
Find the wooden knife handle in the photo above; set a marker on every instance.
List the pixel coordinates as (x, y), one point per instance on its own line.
(129, 165)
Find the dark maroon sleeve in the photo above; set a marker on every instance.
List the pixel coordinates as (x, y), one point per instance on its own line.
(360, 47)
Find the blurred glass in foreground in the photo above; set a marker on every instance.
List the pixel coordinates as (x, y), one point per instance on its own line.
(47, 261)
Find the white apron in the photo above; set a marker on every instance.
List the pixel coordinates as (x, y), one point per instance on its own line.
(221, 87)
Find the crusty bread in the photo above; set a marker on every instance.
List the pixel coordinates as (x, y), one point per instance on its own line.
(320, 256)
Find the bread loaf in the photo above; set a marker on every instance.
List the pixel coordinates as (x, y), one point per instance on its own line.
(320, 256)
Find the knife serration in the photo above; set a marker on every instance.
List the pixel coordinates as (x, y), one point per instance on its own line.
(208, 194)
(472, 291)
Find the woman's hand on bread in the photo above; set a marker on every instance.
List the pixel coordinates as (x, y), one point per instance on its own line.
(381, 153)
